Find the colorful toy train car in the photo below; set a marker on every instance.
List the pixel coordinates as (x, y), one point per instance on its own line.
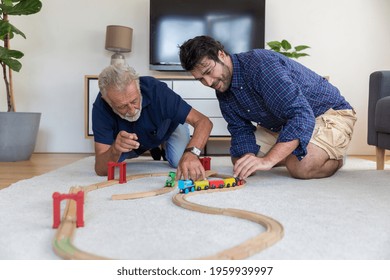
(201, 185)
(170, 182)
(185, 186)
(216, 184)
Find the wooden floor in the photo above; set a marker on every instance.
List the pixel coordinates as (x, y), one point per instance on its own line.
(11, 172)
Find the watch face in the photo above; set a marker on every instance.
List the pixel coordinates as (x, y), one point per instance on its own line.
(195, 151)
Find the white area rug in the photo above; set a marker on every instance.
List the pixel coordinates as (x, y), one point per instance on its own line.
(342, 217)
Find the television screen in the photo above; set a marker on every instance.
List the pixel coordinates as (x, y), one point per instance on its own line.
(237, 24)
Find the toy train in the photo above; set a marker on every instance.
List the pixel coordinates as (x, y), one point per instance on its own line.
(186, 186)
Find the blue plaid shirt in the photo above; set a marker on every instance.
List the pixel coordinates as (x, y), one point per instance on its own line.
(277, 93)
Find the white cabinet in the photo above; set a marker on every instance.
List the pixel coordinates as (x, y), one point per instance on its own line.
(202, 99)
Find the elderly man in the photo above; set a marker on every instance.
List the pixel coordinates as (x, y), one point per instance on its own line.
(133, 114)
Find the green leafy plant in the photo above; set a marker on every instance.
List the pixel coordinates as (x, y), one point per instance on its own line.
(9, 59)
(284, 47)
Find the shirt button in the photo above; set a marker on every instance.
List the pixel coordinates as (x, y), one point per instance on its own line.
(241, 87)
(248, 110)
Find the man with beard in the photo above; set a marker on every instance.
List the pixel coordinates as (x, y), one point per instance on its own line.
(133, 114)
(278, 111)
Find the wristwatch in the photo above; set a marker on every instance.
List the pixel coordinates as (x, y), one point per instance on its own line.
(196, 151)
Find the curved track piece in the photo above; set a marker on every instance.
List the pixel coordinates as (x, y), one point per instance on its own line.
(62, 243)
(274, 230)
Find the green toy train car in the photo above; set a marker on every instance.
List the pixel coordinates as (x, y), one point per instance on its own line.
(170, 182)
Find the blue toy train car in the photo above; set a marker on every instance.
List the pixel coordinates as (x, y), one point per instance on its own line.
(186, 186)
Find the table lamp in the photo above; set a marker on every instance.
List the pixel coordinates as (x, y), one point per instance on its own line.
(118, 40)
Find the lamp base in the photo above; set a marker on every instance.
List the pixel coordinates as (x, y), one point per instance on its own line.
(118, 59)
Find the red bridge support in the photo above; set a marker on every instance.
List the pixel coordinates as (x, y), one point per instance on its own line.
(78, 197)
(205, 162)
(122, 171)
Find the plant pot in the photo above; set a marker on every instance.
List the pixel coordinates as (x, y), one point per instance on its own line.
(18, 134)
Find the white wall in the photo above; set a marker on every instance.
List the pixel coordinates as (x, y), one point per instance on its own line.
(349, 39)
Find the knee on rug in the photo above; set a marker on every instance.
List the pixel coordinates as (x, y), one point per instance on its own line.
(309, 170)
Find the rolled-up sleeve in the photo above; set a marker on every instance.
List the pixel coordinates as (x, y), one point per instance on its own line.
(299, 125)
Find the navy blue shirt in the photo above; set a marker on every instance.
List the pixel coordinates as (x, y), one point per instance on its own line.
(277, 93)
(162, 111)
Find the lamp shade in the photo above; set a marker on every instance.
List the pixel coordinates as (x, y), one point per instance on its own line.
(119, 38)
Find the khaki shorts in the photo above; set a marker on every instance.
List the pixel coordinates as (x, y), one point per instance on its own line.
(332, 133)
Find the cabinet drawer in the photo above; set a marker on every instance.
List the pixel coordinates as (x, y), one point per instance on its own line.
(208, 107)
(193, 89)
(201, 98)
(219, 127)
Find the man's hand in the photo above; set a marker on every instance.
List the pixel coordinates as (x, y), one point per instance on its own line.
(248, 164)
(190, 167)
(125, 142)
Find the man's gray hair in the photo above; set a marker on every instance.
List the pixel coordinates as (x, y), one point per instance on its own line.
(117, 77)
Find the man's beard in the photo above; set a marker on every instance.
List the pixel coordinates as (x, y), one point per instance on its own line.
(129, 118)
(226, 78)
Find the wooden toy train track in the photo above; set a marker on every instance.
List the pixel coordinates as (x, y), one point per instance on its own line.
(63, 246)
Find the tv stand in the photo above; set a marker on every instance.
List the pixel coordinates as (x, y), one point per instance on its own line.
(201, 98)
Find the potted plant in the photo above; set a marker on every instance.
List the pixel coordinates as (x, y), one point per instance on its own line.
(18, 131)
(284, 47)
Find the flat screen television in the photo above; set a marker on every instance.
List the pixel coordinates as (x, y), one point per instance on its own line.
(237, 24)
